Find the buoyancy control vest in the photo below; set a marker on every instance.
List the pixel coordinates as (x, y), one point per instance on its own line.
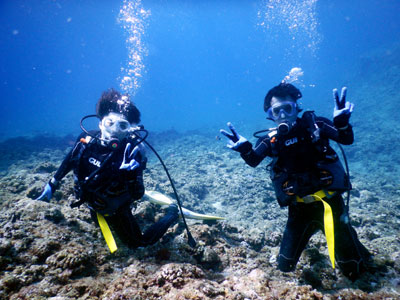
(98, 182)
(324, 172)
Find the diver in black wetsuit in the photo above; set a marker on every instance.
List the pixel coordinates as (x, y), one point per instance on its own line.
(108, 172)
(307, 176)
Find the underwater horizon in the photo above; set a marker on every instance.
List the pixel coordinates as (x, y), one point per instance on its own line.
(186, 64)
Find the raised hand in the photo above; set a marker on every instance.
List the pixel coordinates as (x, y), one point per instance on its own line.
(342, 110)
(129, 162)
(236, 141)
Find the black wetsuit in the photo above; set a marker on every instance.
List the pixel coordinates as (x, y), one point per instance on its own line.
(296, 164)
(110, 191)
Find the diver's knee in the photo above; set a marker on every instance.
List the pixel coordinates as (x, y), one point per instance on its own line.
(286, 264)
(352, 269)
(132, 246)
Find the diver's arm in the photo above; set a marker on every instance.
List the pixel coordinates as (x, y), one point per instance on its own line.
(135, 181)
(71, 159)
(240, 144)
(64, 168)
(136, 186)
(135, 177)
(343, 135)
(346, 135)
(255, 155)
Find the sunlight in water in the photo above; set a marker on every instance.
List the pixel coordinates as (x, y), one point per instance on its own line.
(133, 18)
(297, 17)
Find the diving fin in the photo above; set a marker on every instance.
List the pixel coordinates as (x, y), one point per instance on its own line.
(161, 199)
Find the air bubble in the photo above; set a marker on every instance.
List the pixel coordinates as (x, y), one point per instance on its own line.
(297, 16)
(133, 18)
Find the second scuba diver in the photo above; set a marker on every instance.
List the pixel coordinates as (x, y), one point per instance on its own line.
(307, 176)
(108, 173)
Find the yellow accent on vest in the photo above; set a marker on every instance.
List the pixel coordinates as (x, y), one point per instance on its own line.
(328, 219)
(107, 233)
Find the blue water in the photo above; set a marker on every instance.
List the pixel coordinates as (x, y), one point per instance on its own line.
(203, 63)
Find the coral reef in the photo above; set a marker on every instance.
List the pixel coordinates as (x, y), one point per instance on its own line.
(51, 251)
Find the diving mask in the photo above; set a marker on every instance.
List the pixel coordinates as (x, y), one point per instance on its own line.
(282, 110)
(114, 125)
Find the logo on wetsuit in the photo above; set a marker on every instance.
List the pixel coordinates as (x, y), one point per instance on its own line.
(95, 162)
(291, 141)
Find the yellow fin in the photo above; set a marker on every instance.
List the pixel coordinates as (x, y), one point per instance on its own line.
(107, 233)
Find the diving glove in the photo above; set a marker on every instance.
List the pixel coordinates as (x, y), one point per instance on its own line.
(342, 110)
(236, 141)
(48, 191)
(129, 162)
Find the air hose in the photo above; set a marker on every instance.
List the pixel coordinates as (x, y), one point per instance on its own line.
(191, 241)
(347, 208)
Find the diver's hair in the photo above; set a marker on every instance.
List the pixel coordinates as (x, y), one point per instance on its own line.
(112, 101)
(282, 90)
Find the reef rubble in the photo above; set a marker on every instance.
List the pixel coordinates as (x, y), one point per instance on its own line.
(51, 251)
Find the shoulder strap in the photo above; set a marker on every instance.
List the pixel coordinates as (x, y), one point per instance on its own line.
(312, 127)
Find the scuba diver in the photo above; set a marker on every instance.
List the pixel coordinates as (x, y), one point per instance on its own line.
(108, 167)
(307, 176)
